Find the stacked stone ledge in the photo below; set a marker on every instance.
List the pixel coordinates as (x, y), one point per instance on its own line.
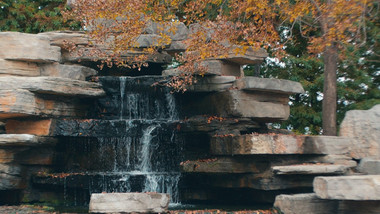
(36, 86)
(357, 192)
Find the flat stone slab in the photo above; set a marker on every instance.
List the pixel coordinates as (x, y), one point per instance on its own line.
(76, 72)
(237, 103)
(16, 68)
(310, 169)
(279, 144)
(10, 177)
(53, 85)
(222, 165)
(369, 166)
(23, 103)
(40, 127)
(357, 187)
(62, 38)
(305, 203)
(249, 56)
(269, 85)
(212, 84)
(28, 47)
(7, 140)
(364, 127)
(129, 203)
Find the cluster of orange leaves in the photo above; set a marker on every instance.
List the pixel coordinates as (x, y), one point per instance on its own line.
(217, 118)
(221, 27)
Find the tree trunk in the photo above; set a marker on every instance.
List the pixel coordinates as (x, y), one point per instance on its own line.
(329, 103)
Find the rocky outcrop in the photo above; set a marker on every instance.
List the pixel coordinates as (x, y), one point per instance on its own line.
(28, 48)
(129, 203)
(364, 127)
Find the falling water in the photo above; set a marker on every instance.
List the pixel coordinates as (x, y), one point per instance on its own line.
(122, 92)
(145, 152)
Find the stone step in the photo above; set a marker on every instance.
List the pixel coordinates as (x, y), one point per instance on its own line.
(369, 166)
(129, 203)
(356, 187)
(269, 85)
(11, 140)
(223, 165)
(310, 203)
(252, 144)
(305, 203)
(310, 169)
(53, 85)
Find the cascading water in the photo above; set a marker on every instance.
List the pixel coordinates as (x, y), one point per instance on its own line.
(147, 148)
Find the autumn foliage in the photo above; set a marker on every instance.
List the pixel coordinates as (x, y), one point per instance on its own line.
(224, 26)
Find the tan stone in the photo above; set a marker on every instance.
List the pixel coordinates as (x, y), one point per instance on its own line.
(23, 103)
(76, 72)
(129, 203)
(63, 38)
(222, 165)
(34, 127)
(53, 85)
(280, 144)
(310, 169)
(27, 47)
(9, 67)
(356, 187)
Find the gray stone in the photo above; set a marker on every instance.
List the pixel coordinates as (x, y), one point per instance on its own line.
(269, 85)
(337, 159)
(364, 127)
(76, 72)
(28, 47)
(369, 166)
(175, 30)
(9, 67)
(219, 67)
(129, 203)
(10, 177)
(212, 84)
(356, 187)
(328, 145)
(53, 85)
(176, 47)
(310, 169)
(86, 54)
(63, 38)
(150, 40)
(235, 103)
(305, 203)
(22, 103)
(238, 55)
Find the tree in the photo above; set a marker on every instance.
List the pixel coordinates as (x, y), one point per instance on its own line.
(33, 16)
(330, 26)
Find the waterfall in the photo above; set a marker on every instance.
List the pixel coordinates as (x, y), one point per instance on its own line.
(145, 152)
(122, 92)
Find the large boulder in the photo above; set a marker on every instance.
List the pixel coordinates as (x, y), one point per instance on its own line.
(356, 187)
(129, 203)
(16, 68)
(21, 103)
(76, 72)
(364, 127)
(28, 47)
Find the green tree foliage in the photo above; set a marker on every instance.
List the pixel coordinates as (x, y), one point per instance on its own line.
(33, 16)
(358, 79)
